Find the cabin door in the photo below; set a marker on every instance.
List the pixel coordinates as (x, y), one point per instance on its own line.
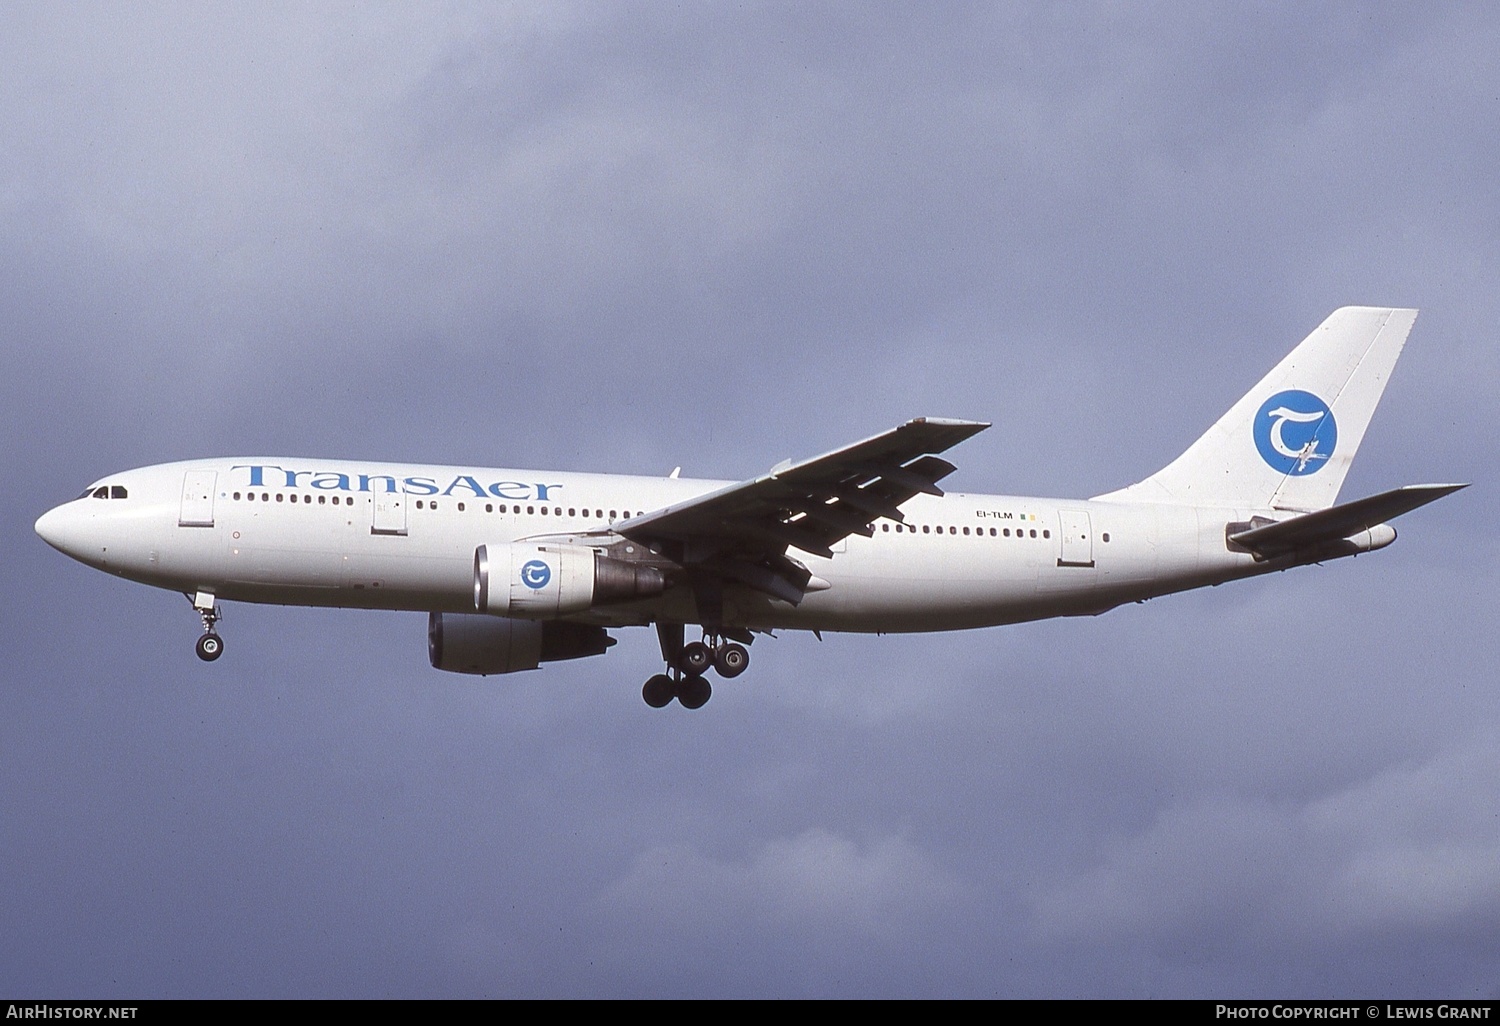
(389, 513)
(197, 499)
(1077, 538)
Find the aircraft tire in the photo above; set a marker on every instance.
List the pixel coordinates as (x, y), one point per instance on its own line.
(210, 647)
(731, 660)
(694, 692)
(695, 658)
(659, 691)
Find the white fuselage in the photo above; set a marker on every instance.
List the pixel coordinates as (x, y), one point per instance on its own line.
(395, 536)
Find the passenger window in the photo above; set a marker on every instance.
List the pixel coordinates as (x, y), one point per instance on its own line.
(322, 499)
(460, 507)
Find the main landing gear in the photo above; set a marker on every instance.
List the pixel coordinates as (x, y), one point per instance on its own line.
(686, 665)
(210, 646)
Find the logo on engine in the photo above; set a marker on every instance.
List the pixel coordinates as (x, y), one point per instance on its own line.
(1295, 432)
(536, 574)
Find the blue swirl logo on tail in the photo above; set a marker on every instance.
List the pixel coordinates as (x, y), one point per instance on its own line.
(1295, 432)
(535, 574)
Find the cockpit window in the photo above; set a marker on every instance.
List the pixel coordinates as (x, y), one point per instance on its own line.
(102, 492)
(106, 492)
(117, 491)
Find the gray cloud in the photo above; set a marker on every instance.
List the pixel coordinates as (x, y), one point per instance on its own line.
(636, 237)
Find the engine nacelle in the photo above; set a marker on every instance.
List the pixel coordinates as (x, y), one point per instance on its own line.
(543, 581)
(475, 643)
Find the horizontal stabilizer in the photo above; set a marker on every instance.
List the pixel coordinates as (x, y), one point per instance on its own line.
(1338, 522)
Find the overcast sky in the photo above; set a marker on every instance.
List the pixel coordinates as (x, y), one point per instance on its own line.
(612, 236)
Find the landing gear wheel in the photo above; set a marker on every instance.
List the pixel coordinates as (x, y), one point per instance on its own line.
(659, 691)
(695, 658)
(210, 647)
(731, 659)
(694, 692)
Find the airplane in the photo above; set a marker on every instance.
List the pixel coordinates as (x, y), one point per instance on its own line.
(518, 568)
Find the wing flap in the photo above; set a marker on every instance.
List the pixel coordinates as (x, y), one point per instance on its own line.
(876, 474)
(742, 532)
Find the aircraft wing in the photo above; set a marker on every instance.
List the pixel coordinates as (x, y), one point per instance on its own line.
(742, 532)
(1339, 522)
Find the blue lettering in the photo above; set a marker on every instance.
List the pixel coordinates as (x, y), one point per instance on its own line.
(506, 490)
(465, 481)
(328, 480)
(257, 478)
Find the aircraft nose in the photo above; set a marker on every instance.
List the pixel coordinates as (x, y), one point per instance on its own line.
(48, 526)
(63, 528)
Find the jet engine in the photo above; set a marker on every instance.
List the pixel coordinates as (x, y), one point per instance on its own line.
(542, 580)
(475, 643)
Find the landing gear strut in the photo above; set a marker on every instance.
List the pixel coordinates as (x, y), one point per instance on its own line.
(686, 665)
(210, 646)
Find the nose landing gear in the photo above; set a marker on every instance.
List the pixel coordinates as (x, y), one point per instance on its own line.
(210, 646)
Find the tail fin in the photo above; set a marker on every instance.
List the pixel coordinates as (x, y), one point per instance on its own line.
(1290, 441)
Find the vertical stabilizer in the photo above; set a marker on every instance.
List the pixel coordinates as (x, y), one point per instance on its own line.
(1291, 440)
